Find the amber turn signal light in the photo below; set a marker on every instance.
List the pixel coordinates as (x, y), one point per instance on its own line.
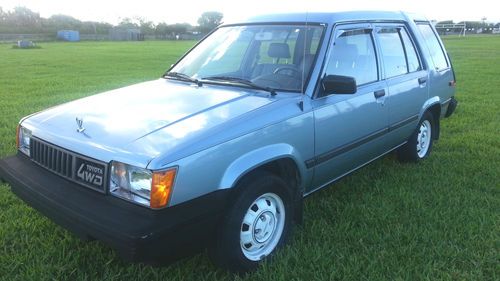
(17, 135)
(161, 188)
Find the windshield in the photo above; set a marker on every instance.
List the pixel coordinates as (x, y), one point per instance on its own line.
(272, 56)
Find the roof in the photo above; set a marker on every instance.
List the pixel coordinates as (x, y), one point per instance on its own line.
(333, 17)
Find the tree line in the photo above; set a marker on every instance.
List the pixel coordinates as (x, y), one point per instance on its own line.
(22, 20)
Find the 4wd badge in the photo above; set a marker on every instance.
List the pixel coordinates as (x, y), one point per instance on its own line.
(90, 173)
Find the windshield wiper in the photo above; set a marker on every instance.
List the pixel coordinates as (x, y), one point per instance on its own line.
(183, 77)
(241, 81)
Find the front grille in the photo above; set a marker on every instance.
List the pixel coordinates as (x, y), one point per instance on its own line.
(52, 158)
(72, 166)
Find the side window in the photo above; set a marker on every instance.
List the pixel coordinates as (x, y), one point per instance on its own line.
(411, 53)
(353, 54)
(435, 50)
(393, 52)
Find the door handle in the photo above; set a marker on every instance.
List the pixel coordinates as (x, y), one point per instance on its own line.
(422, 80)
(379, 93)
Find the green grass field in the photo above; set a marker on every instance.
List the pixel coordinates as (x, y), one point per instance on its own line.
(439, 220)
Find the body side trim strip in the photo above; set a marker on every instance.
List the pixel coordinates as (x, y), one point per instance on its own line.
(402, 123)
(349, 172)
(352, 145)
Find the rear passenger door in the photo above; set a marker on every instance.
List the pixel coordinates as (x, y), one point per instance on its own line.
(407, 80)
(349, 128)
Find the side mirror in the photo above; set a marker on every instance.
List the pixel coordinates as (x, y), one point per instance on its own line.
(337, 84)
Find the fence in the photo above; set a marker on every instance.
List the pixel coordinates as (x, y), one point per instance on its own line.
(94, 37)
(13, 38)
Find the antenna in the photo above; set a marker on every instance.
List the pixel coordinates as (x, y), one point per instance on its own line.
(304, 53)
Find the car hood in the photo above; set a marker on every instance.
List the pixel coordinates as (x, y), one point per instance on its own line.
(138, 122)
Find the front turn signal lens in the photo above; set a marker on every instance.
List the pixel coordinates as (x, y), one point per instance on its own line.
(17, 135)
(161, 188)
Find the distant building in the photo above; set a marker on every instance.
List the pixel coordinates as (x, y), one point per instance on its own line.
(120, 34)
(68, 35)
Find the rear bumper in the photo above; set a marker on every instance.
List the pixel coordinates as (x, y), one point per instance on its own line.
(450, 106)
(137, 233)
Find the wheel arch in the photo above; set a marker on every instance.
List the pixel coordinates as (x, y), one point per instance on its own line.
(281, 160)
(433, 105)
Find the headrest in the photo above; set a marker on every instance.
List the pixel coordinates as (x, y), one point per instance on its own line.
(279, 50)
(346, 50)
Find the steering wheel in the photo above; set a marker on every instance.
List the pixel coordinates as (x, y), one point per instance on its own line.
(278, 81)
(294, 72)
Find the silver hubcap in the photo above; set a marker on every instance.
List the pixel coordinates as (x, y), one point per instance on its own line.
(423, 138)
(262, 226)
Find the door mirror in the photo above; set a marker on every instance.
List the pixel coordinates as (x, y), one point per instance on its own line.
(337, 84)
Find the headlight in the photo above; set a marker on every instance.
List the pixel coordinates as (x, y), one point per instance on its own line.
(23, 140)
(140, 185)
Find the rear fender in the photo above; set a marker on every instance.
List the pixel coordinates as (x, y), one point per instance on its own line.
(433, 101)
(430, 102)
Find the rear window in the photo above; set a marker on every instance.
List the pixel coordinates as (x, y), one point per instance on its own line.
(435, 50)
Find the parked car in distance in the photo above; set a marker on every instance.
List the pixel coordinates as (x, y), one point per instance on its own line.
(221, 150)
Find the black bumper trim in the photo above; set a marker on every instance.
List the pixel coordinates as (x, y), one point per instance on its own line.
(137, 233)
(452, 105)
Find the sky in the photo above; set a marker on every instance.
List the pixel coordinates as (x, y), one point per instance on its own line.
(189, 10)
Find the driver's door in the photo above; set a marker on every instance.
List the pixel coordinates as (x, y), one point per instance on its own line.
(350, 128)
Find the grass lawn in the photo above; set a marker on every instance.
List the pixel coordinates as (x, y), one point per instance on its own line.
(439, 220)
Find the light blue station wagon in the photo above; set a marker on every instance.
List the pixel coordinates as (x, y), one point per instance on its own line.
(221, 150)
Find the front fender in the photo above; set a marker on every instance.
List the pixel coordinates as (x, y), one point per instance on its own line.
(255, 158)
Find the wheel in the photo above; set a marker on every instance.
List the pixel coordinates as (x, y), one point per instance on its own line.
(419, 144)
(256, 224)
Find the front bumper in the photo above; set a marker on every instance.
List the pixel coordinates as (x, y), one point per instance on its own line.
(137, 233)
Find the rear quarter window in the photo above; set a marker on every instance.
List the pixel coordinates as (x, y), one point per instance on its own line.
(435, 49)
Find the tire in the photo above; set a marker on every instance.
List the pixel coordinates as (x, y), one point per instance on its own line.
(258, 223)
(419, 144)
